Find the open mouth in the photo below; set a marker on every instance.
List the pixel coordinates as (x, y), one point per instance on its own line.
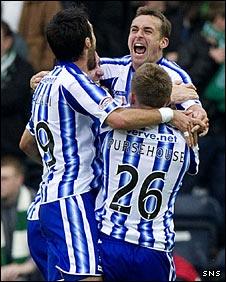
(139, 48)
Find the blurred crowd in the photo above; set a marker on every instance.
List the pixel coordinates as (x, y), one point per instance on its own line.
(197, 44)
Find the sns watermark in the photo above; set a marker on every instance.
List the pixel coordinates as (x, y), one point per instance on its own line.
(211, 273)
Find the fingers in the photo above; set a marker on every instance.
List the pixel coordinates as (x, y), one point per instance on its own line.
(200, 127)
(181, 94)
(185, 123)
(188, 140)
(188, 112)
(191, 86)
(198, 112)
(188, 135)
(195, 138)
(191, 138)
(203, 133)
(195, 128)
(199, 122)
(193, 96)
(37, 78)
(206, 121)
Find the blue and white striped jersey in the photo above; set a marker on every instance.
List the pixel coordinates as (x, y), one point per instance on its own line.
(118, 73)
(33, 210)
(143, 172)
(67, 112)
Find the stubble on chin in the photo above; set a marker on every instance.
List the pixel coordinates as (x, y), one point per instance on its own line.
(91, 63)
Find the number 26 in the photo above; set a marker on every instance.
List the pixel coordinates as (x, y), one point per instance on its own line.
(145, 192)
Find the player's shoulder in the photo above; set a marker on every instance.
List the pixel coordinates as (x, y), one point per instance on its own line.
(125, 60)
(72, 75)
(168, 63)
(173, 69)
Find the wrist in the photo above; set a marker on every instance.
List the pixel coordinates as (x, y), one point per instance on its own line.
(166, 114)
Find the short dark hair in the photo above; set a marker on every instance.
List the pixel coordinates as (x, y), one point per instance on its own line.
(165, 29)
(66, 33)
(152, 85)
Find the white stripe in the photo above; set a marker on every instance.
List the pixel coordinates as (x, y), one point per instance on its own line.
(68, 236)
(81, 273)
(88, 235)
(172, 267)
(20, 245)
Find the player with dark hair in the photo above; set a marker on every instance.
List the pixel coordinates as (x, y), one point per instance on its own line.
(63, 134)
(149, 36)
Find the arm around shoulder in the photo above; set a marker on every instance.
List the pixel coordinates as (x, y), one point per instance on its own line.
(128, 118)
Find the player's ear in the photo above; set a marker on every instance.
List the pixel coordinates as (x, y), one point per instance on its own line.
(88, 43)
(132, 98)
(164, 42)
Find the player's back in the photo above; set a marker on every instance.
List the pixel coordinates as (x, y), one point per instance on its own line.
(64, 129)
(143, 170)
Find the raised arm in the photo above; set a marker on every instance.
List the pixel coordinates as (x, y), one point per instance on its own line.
(125, 118)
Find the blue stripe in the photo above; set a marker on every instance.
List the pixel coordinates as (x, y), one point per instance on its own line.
(37, 91)
(173, 66)
(33, 206)
(89, 206)
(47, 213)
(97, 162)
(96, 165)
(73, 102)
(69, 148)
(106, 153)
(116, 61)
(161, 163)
(128, 83)
(43, 116)
(113, 83)
(95, 92)
(168, 217)
(79, 241)
(193, 167)
(107, 83)
(31, 126)
(57, 70)
(119, 230)
(68, 65)
(106, 157)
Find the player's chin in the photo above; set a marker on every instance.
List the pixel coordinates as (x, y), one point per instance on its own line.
(138, 59)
